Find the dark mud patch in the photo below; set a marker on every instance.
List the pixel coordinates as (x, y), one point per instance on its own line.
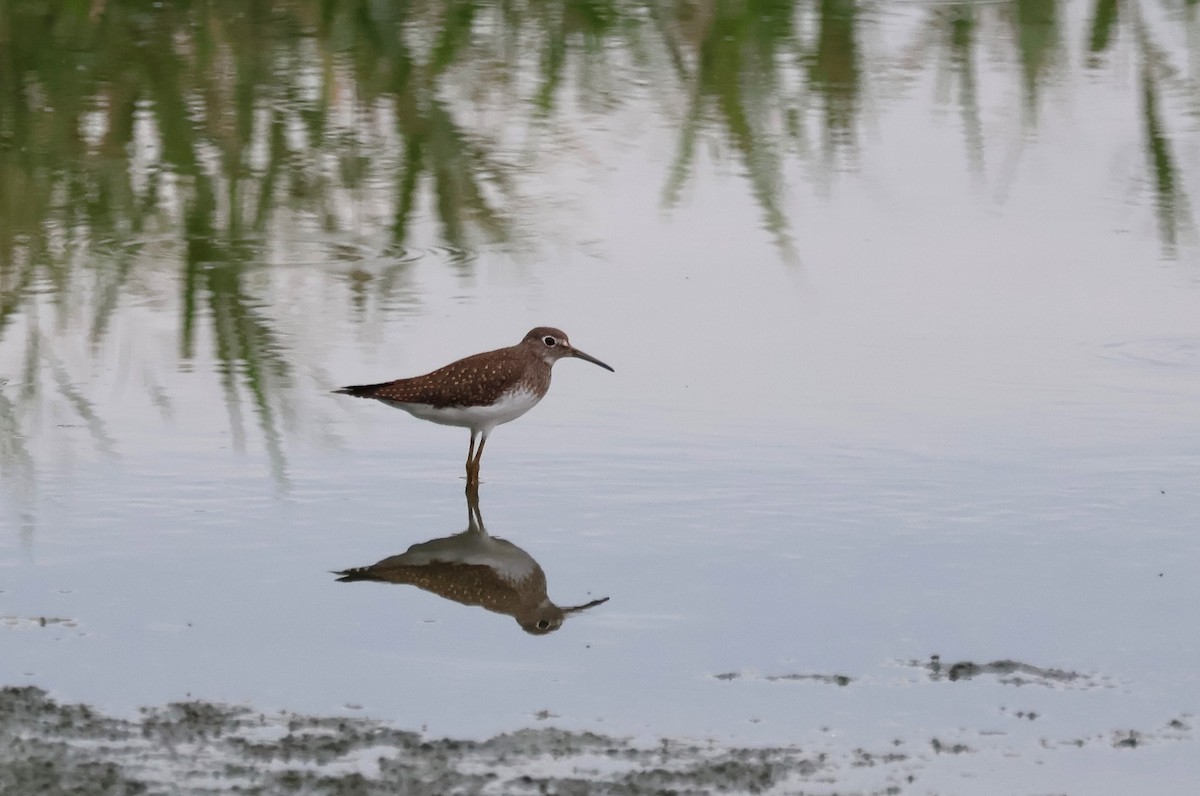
(825, 679)
(51, 748)
(1008, 672)
(20, 622)
(47, 747)
(1177, 729)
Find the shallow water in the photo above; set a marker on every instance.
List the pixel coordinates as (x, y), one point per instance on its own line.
(902, 303)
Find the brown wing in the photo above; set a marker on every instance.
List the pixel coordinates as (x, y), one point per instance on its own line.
(477, 379)
(469, 584)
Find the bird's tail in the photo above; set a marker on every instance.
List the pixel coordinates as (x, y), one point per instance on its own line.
(355, 574)
(359, 390)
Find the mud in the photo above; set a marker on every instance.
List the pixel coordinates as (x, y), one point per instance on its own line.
(827, 679)
(199, 747)
(47, 747)
(1009, 672)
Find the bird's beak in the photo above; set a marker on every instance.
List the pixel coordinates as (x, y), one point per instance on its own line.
(576, 609)
(575, 352)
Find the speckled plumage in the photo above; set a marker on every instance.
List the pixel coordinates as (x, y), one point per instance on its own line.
(477, 380)
(481, 391)
(475, 568)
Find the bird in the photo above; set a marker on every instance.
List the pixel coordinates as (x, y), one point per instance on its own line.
(475, 568)
(481, 391)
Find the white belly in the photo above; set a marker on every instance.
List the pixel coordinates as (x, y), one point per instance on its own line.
(479, 418)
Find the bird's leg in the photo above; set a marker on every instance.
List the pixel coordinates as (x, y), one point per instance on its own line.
(473, 467)
(471, 462)
(474, 515)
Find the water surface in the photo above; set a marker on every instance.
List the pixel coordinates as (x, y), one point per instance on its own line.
(901, 298)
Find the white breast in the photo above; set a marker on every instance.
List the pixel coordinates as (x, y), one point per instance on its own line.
(479, 418)
(471, 547)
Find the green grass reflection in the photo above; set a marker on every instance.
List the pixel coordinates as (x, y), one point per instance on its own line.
(226, 126)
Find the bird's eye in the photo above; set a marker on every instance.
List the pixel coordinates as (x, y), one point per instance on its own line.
(549, 341)
(543, 623)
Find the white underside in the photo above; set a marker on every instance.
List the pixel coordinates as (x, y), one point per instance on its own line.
(471, 547)
(477, 418)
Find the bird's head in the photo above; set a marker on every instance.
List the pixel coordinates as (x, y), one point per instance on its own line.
(552, 345)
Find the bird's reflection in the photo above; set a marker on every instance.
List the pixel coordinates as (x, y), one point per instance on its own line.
(475, 568)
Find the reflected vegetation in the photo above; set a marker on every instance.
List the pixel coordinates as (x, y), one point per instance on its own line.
(476, 568)
(177, 153)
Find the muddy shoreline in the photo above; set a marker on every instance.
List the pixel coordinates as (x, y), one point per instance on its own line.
(198, 747)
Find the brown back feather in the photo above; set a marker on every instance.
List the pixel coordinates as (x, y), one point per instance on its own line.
(477, 379)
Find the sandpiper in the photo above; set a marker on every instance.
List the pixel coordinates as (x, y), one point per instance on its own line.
(475, 568)
(481, 391)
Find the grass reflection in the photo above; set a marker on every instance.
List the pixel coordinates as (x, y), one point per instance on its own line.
(229, 127)
(298, 106)
(244, 346)
(1039, 45)
(1172, 204)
